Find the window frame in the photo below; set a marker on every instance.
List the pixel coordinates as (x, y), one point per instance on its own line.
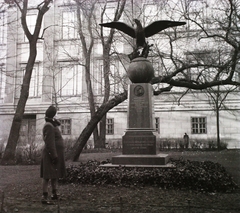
(198, 126)
(31, 19)
(157, 124)
(3, 28)
(150, 15)
(75, 82)
(110, 126)
(3, 78)
(66, 126)
(68, 24)
(36, 80)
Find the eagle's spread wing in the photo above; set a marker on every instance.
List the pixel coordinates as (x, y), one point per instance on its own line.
(120, 26)
(158, 26)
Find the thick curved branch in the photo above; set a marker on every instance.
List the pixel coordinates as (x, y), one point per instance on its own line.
(201, 86)
(161, 90)
(101, 111)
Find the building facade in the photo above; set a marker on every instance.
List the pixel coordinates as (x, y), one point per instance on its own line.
(59, 75)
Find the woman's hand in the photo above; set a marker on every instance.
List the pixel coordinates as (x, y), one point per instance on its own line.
(55, 160)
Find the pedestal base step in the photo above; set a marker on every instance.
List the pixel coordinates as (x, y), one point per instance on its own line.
(151, 160)
(167, 166)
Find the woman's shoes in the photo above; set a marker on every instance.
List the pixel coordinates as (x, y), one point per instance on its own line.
(54, 197)
(45, 201)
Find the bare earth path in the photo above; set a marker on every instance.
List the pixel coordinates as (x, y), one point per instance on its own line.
(21, 188)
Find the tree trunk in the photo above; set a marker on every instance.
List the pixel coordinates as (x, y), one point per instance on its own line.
(87, 131)
(106, 64)
(91, 98)
(102, 139)
(9, 153)
(218, 128)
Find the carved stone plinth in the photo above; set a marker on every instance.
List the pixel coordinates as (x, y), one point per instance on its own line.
(139, 140)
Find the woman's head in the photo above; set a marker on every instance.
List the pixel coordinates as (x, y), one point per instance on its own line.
(51, 112)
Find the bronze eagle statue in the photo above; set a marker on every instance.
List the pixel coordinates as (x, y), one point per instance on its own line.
(140, 32)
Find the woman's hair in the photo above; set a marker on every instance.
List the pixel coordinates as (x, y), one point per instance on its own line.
(51, 112)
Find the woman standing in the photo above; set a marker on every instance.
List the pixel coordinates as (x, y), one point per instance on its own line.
(53, 161)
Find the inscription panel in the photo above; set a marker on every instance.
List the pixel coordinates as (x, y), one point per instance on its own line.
(139, 144)
(140, 106)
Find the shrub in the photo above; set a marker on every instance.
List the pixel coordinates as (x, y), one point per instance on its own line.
(192, 175)
(223, 145)
(29, 154)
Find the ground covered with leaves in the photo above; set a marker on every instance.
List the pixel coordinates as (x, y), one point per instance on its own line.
(20, 186)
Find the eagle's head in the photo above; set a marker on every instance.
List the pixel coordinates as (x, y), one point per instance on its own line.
(138, 23)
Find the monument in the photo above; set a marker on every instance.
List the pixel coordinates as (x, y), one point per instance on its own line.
(139, 140)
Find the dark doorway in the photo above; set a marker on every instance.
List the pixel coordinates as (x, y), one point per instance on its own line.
(28, 130)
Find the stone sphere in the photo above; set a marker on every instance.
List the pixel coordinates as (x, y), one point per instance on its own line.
(140, 70)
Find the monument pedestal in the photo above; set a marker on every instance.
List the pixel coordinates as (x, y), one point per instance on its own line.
(140, 160)
(139, 141)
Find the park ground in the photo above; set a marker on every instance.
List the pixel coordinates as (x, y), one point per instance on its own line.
(20, 188)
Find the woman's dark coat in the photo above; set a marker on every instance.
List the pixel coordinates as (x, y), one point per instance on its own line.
(54, 148)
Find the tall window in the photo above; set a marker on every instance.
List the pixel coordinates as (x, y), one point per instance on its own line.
(199, 125)
(34, 90)
(157, 124)
(2, 83)
(66, 126)
(116, 77)
(97, 76)
(236, 75)
(70, 80)
(196, 8)
(114, 80)
(110, 126)
(35, 83)
(108, 16)
(68, 24)
(2, 28)
(31, 23)
(150, 13)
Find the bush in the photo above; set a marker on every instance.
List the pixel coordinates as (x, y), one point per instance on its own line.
(29, 154)
(195, 144)
(192, 175)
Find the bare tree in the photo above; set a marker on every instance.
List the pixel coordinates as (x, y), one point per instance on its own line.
(107, 43)
(86, 14)
(9, 153)
(217, 97)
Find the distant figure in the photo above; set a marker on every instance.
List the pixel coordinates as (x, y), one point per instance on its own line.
(186, 140)
(53, 160)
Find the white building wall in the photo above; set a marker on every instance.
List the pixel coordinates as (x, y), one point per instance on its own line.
(174, 118)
